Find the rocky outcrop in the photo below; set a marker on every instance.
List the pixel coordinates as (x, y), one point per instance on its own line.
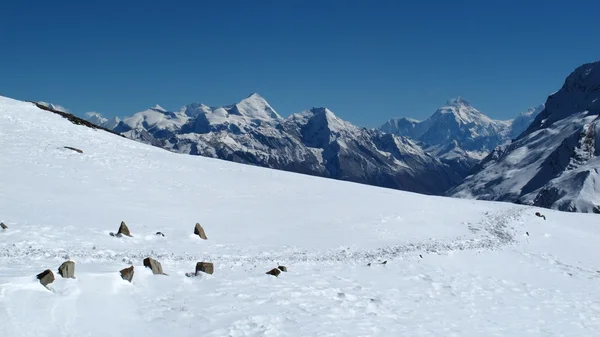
(275, 272)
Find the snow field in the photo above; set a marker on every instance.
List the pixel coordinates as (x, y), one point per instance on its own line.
(480, 273)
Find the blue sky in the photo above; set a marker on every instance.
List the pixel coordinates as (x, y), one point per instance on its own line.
(365, 60)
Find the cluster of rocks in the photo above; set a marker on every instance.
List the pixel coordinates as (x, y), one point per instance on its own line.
(124, 231)
(65, 270)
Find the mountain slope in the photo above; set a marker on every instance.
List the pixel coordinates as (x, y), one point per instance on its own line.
(555, 162)
(315, 142)
(454, 267)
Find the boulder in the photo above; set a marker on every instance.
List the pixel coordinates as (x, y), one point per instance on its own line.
(198, 230)
(74, 149)
(127, 274)
(205, 267)
(67, 269)
(3, 225)
(275, 272)
(154, 266)
(46, 277)
(282, 268)
(123, 229)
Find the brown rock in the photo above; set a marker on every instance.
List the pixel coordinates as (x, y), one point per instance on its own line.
(74, 149)
(127, 274)
(282, 268)
(3, 225)
(275, 272)
(46, 277)
(154, 265)
(67, 269)
(123, 230)
(205, 267)
(198, 230)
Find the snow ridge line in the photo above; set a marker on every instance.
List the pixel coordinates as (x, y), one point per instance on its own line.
(496, 233)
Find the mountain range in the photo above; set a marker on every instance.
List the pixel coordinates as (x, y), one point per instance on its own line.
(544, 156)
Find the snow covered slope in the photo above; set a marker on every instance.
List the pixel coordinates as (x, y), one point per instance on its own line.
(455, 267)
(314, 142)
(555, 163)
(457, 133)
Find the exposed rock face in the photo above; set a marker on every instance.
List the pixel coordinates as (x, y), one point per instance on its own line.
(123, 230)
(275, 272)
(74, 149)
(67, 269)
(555, 162)
(46, 277)
(205, 267)
(127, 274)
(198, 230)
(154, 266)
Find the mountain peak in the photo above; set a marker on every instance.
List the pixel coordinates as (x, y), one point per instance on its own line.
(255, 106)
(458, 101)
(158, 108)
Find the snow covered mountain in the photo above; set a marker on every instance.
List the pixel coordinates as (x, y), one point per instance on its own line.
(361, 260)
(523, 120)
(555, 162)
(315, 142)
(457, 133)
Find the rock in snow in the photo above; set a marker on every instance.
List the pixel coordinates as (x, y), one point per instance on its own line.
(127, 274)
(67, 269)
(198, 230)
(3, 226)
(205, 267)
(275, 272)
(46, 277)
(123, 229)
(154, 266)
(555, 162)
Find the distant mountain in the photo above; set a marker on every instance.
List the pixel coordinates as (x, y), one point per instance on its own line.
(555, 162)
(457, 134)
(314, 142)
(97, 119)
(523, 120)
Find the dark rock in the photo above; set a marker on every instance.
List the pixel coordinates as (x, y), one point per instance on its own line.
(160, 233)
(527, 233)
(3, 225)
(384, 262)
(74, 149)
(123, 229)
(275, 272)
(127, 274)
(154, 265)
(421, 256)
(205, 267)
(198, 230)
(369, 264)
(46, 277)
(282, 268)
(67, 269)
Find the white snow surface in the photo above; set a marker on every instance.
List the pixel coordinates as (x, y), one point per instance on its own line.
(480, 273)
